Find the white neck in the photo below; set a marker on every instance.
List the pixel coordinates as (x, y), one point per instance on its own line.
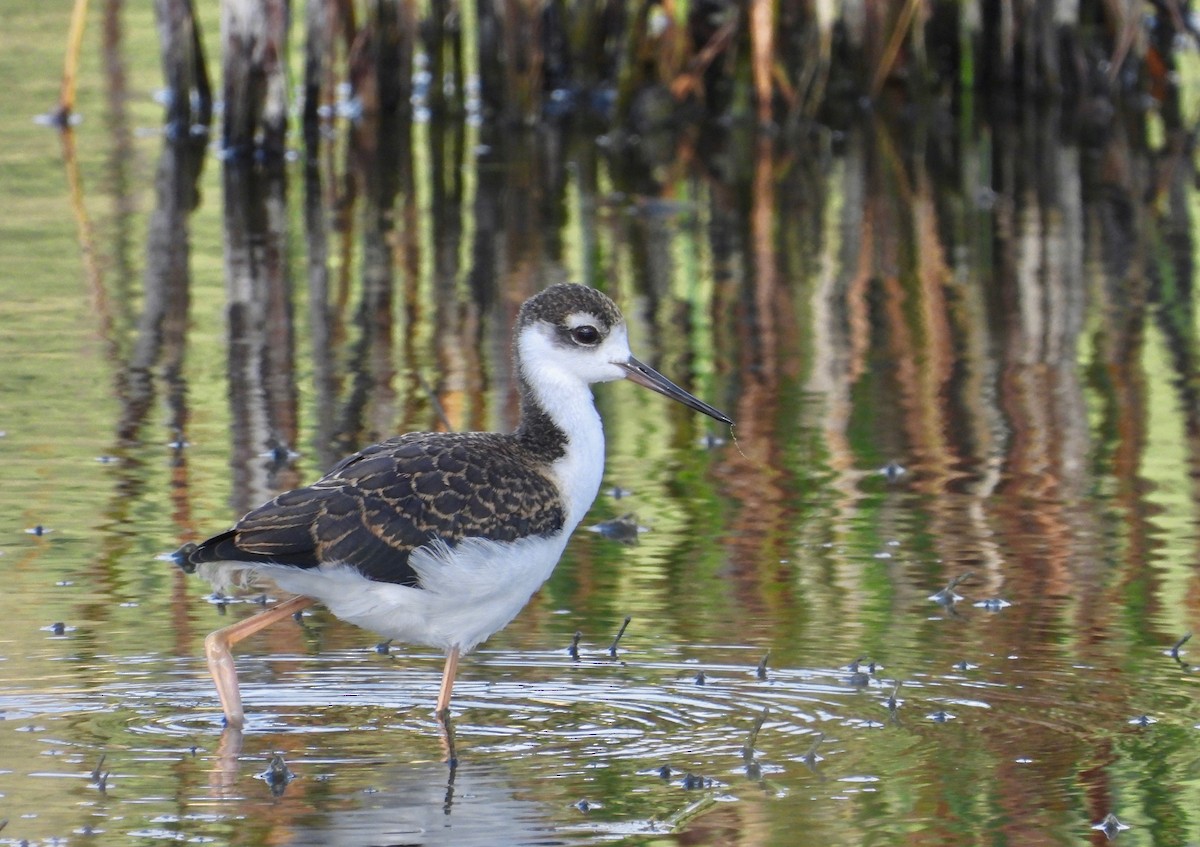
(566, 399)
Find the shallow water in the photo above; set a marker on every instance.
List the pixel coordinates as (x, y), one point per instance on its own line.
(973, 362)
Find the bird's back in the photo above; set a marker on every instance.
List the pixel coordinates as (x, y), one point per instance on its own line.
(376, 507)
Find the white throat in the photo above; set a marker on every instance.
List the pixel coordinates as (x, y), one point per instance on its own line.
(560, 384)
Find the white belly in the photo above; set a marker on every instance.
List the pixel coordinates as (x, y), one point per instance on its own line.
(469, 592)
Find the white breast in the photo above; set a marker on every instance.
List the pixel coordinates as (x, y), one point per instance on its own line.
(469, 591)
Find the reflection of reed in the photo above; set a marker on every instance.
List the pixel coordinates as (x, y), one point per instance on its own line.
(262, 389)
(321, 313)
(752, 473)
(161, 340)
(1040, 289)
(381, 167)
(974, 373)
(458, 398)
(158, 347)
(1171, 271)
(162, 327)
(86, 234)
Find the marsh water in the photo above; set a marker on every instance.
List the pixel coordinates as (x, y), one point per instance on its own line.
(926, 590)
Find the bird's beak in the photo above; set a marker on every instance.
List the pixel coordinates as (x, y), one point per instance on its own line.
(648, 377)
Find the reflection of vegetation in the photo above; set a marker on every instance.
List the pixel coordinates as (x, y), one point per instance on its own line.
(1005, 309)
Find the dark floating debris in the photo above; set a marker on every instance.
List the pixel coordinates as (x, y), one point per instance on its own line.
(947, 596)
(964, 665)
(1143, 720)
(892, 702)
(1110, 826)
(694, 782)
(586, 806)
(58, 119)
(761, 670)
(100, 776)
(618, 493)
(664, 772)
(858, 677)
(752, 738)
(811, 757)
(624, 529)
(892, 471)
(277, 775)
(58, 628)
(992, 604)
(573, 650)
(941, 716)
(384, 647)
(279, 454)
(178, 442)
(1174, 652)
(38, 530)
(612, 650)
(700, 678)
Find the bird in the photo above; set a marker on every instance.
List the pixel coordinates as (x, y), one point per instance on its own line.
(439, 539)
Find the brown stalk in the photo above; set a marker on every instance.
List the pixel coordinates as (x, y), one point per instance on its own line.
(689, 81)
(888, 60)
(762, 45)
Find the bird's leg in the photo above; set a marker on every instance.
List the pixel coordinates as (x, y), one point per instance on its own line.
(220, 660)
(443, 702)
(443, 708)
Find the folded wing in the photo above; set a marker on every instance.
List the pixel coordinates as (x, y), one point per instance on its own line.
(377, 506)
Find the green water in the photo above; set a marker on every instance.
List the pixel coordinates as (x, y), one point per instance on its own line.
(1008, 317)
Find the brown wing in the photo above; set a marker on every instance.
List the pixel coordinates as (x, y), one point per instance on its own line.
(377, 506)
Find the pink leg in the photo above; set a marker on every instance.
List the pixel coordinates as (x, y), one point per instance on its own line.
(443, 707)
(220, 660)
(443, 702)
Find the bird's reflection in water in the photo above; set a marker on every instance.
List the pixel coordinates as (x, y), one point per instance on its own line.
(432, 804)
(425, 803)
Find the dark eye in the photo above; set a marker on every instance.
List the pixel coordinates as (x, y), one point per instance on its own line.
(586, 335)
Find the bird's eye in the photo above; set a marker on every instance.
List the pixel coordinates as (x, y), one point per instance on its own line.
(586, 335)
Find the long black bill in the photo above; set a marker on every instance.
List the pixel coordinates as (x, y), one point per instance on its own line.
(648, 377)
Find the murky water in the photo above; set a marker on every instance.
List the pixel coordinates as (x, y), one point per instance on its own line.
(954, 358)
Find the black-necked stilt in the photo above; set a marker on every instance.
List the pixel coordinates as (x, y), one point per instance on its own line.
(438, 538)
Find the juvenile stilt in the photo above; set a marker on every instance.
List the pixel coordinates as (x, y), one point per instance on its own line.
(220, 660)
(439, 538)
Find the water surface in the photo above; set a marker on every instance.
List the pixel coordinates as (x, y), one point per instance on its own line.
(947, 356)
